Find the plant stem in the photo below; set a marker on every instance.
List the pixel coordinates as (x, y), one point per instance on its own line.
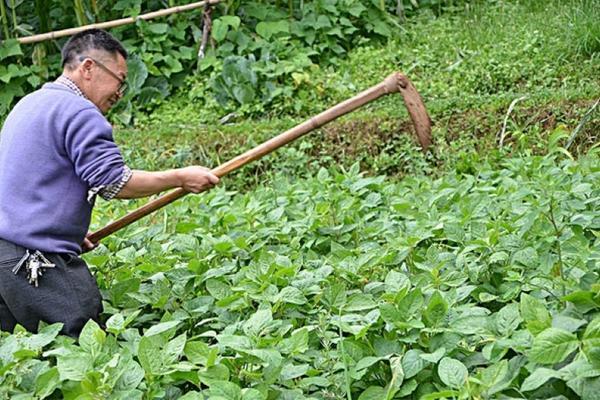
(346, 374)
(41, 9)
(95, 9)
(558, 233)
(4, 20)
(79, 12)
(14, 15)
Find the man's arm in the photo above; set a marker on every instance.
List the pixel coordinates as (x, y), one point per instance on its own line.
(193, 179)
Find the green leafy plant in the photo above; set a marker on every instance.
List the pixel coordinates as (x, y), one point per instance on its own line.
(342, 285)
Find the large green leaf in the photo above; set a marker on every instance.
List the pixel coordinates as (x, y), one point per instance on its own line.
(92, 338)
(413, 363)
(436, 309)
(74, 366)
(538, 378)
(10, 47)
(47, 382)
(258, 323)
(552, 346)
(222, 390)
(161, 328)
(136, 73)
(452, 372)
(591, 342)
(508, 319)
(535, 314)
(373, 393)
(269, 29)
(150, 355)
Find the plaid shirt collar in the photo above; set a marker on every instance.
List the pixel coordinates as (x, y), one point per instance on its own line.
(68, 82)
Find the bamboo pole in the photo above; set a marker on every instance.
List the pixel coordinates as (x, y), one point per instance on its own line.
(392, 84)
(117, 22)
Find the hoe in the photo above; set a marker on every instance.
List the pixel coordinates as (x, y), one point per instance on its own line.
(392, 84)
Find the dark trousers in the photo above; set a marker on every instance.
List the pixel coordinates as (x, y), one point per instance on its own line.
(67, 293)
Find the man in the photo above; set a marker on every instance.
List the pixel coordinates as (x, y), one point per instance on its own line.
(56, 155)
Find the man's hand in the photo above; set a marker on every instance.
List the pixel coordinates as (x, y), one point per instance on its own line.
(196, 179)
(88, 245)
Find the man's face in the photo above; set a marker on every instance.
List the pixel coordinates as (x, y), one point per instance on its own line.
(109, 73)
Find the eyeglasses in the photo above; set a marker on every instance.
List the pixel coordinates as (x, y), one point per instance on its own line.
(123, 83)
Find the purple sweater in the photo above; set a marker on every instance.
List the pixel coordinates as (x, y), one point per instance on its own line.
(54, 147)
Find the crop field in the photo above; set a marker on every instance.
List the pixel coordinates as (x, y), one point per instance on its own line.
(342, 285)
(350, 265)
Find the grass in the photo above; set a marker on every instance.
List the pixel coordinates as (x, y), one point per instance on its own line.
(468, 64)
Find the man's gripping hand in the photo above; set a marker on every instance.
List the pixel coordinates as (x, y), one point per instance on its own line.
(196, 179)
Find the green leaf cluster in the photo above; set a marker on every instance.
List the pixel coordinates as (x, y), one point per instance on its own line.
(343, 284)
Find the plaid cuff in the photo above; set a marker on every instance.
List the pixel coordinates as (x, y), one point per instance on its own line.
(109, 192)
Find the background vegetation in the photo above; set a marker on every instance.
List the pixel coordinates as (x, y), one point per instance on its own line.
(348, 265)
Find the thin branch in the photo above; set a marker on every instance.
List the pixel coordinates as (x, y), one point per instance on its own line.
(206, 27)
(112, 24)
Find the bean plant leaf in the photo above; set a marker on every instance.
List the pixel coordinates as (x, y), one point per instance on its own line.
(494, 374)
(74, 366)
(538, 378)
(132, 376)
(236, 342)
(373, 393)
(47, 382)
(535, 314)
(413, 363)
(397, 377)
(92, 337)
(44, 336)
(410, 306)
(258, 322)
(224, 390)
(591, 342)
(361, 367)
(508, 319)
(115, 324)
(552, 346)
(293, 295)
(150, 355)
(452, 372)
(359, 302)
(297, 343)
(436, 310)
(396, 281)
(435, 356)
(252, 394)
(161, 327)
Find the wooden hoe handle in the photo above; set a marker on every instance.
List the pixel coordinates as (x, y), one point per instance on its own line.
(392, 84)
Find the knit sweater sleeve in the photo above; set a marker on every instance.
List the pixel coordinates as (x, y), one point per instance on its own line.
(89, 145)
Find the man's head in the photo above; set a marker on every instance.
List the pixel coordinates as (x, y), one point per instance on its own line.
(96, 62)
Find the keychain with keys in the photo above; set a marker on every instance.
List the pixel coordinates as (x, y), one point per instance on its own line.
(34, 263)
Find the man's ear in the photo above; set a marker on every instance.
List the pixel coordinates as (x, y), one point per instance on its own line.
(85, 68)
